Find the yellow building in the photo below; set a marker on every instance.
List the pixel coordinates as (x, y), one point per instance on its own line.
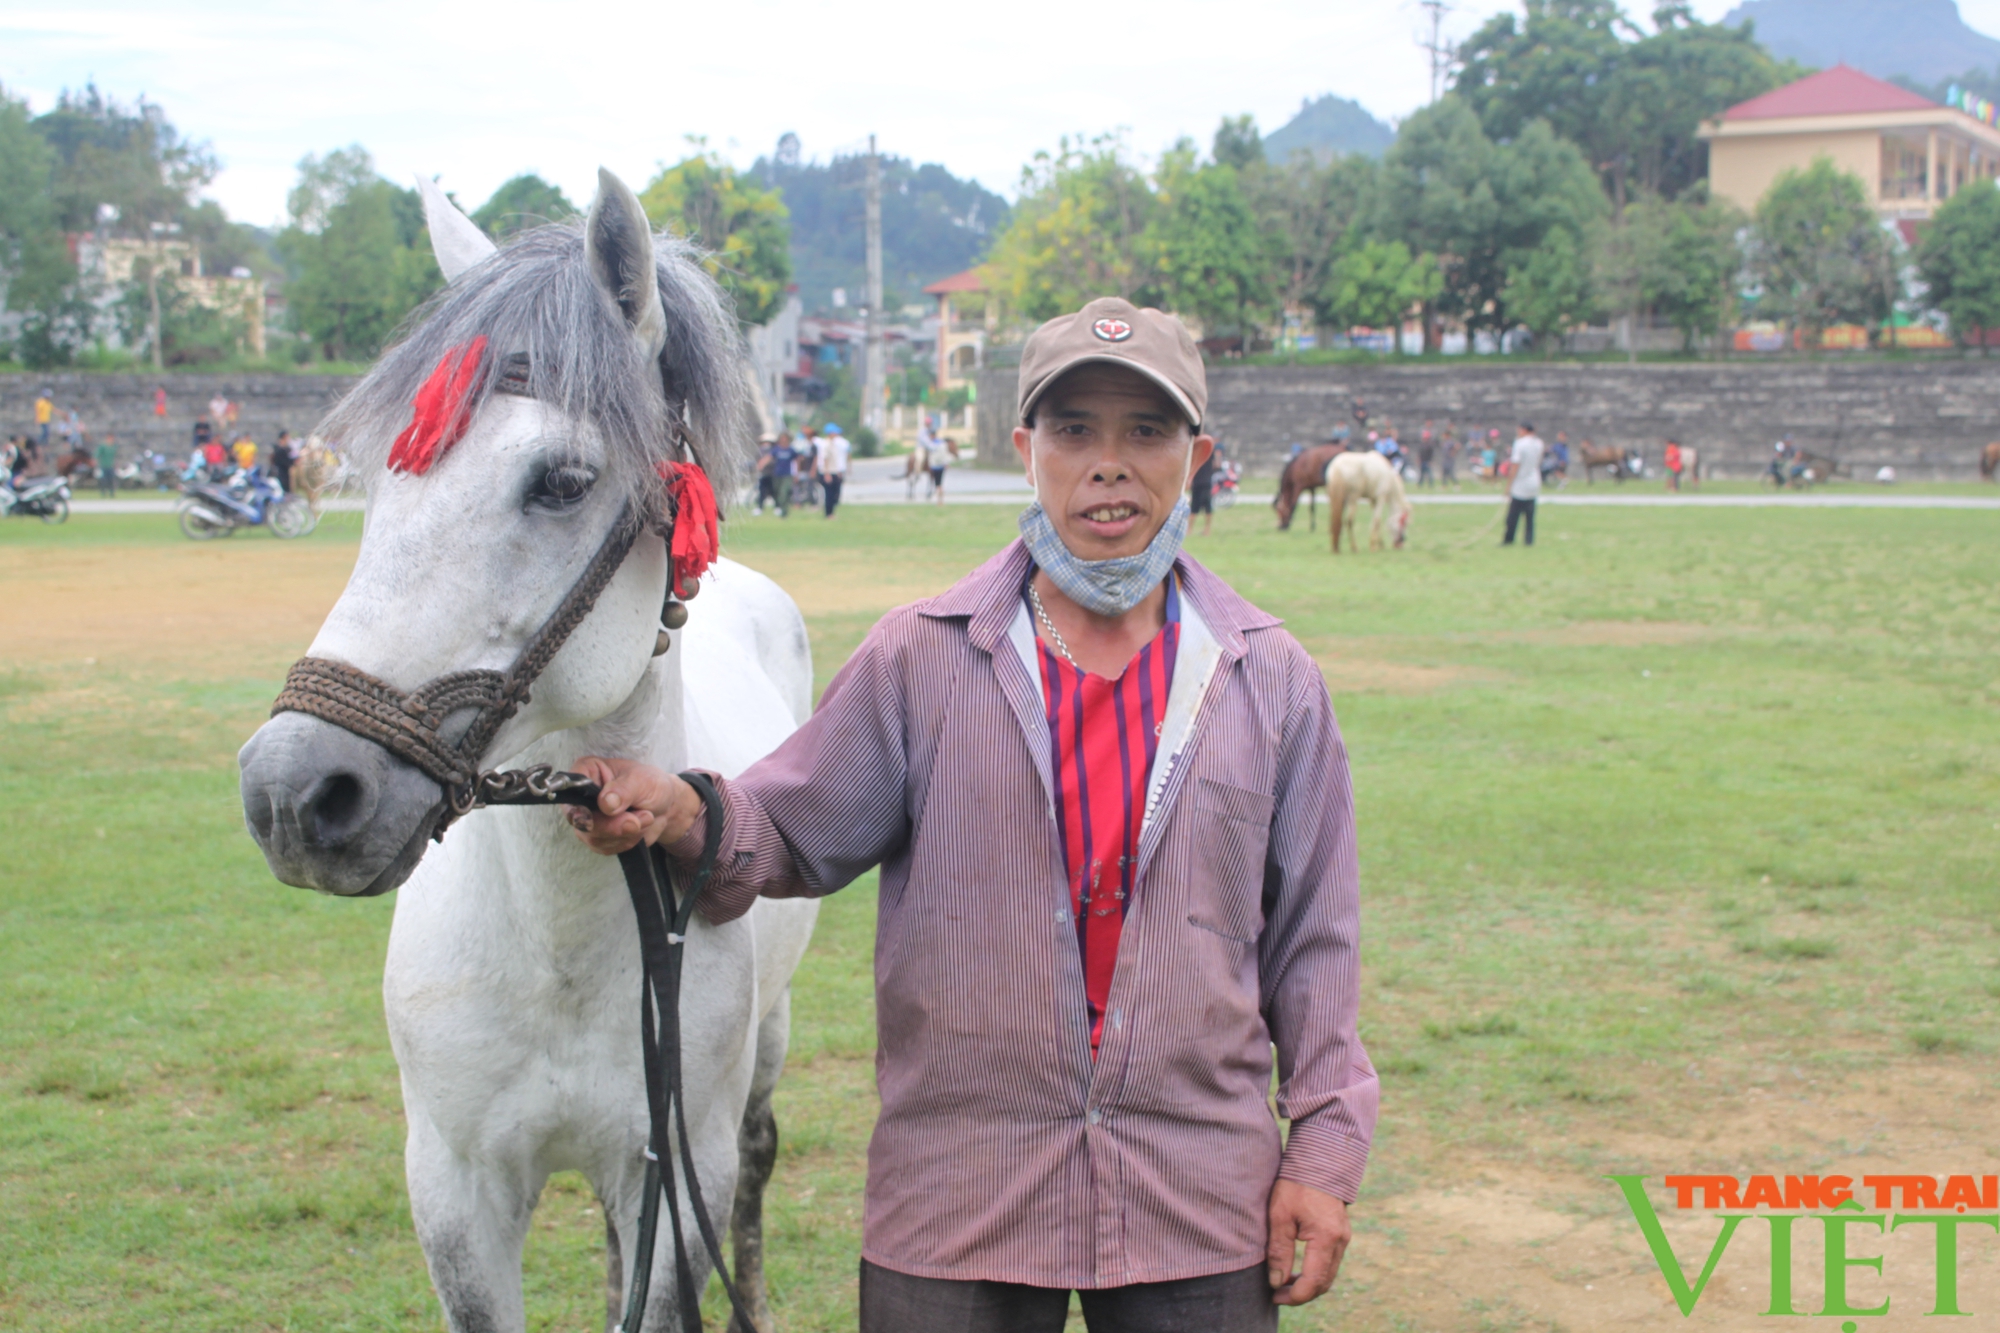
(1910, 152)
(960, 347)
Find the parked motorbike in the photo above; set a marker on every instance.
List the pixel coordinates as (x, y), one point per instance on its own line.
(246, 500)
(46, 498)
(149, 471)
(1228, 480)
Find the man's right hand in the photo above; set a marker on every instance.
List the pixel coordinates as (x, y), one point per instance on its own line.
(636, 803)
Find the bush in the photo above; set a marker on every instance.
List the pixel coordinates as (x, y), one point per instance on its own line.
(866, 443)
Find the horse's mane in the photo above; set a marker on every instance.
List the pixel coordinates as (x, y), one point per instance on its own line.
(537, 295)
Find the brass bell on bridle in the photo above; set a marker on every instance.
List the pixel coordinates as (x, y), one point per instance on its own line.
(673, 615)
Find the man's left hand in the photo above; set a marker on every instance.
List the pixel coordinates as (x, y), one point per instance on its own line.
(1302, 1214)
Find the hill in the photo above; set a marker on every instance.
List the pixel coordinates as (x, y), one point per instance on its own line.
(1327, 126)
(1925, 40)
(933, 225)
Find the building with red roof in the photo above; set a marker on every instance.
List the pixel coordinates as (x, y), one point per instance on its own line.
(960, 348)
(1910, 152)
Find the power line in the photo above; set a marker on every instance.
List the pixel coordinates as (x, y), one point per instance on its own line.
(1443, 53)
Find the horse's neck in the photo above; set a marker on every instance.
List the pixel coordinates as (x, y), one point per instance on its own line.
(649, 726)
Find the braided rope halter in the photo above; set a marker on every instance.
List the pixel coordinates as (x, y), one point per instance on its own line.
(412, 724)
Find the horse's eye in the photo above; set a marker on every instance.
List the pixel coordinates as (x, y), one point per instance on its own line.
(561, 487)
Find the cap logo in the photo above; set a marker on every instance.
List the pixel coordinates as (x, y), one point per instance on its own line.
(1112, 330)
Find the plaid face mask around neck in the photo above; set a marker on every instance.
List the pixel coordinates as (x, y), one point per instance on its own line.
(1107, 587)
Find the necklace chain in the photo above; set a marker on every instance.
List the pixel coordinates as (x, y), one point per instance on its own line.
(1055, 635)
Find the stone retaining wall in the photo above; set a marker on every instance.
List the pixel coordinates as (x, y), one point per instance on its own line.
(123, 404)
(1928, 419)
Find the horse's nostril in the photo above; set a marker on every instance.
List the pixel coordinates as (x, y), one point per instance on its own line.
(334, 813)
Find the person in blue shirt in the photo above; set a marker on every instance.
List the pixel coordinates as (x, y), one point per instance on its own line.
(783, 457)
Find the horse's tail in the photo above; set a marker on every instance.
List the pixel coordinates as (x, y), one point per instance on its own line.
(1336, 505)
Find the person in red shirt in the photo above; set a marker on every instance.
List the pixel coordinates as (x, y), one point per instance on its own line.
(1673, 465)
(1114, 823)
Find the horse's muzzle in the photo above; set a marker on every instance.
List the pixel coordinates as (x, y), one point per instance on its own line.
(332, 811)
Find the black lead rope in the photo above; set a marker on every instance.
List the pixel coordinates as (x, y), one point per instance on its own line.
(663, 926)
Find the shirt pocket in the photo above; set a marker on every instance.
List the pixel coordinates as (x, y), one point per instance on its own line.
(1232, 828)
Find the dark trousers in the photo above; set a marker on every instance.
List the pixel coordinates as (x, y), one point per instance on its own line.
(1238, 1302)
(781, 491)
(1518, 509)
(830, 487)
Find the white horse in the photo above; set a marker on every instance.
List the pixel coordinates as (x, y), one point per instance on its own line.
(1353, 477)
(512, 982)
(916, 468)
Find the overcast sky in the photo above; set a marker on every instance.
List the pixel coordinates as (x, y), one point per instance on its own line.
(477, 93)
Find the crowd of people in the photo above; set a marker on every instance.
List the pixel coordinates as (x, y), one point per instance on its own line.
(220, 450)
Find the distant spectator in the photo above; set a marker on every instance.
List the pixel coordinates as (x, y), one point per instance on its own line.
(1527, 484)
(765, 491)
(940, 459)
(830, 464)
(1448, 473)
(1673, 461)
(1201, 492)
(216, 459)
(218, 410)
(283, 454)
(1427, 446)
(13, 457)
(107, 468)
(783, 457)
(160, 401)
(245, 450)
(45, 410)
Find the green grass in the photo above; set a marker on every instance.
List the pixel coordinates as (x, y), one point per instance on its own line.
(1674, 788)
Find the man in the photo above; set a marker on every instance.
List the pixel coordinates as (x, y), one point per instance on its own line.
(766, 443)
(1673, 465)
(942, 455)
(831, 464)
(783, 456)
(45, 410)
(1201, 493)
(245, 451)
(107, 468)
(283, 454)
(1426, 451)
(1112, 812)
(1526, 484)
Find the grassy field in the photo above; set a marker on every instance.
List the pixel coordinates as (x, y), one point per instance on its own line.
(1678, 833)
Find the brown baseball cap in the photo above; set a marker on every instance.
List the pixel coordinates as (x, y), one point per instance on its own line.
(1113, 331)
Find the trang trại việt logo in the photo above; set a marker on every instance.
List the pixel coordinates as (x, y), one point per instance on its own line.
(1940, 1202)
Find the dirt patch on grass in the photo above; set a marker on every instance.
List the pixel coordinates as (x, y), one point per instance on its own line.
(1355, 675)
(848, 583)
(248, 605)
(1550, 1243)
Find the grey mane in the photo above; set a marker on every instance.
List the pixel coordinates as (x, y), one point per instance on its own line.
(536, 295)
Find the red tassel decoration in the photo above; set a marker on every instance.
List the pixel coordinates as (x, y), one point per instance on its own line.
(697, 522)
(441, 414)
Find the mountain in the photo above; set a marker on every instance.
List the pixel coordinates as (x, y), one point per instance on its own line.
(933, 225)
(1328, 126)
(1925, 40)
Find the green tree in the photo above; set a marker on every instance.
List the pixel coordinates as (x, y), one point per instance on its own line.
(1958, 259)
(1548, 289)
(131, 160)
(1818, 251)
(191, 333)
(1307, 209)
(1631, 102)
(1207, 255)
(1679, 258)
(1076, 233)
(525, 201)
(1237, 143)
(1481, 208)
(1376, 284)
(34, 263)
(358, 252)
(743, 227)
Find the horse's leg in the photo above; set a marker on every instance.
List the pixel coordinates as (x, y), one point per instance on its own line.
(471, 1224)
(757, 1149)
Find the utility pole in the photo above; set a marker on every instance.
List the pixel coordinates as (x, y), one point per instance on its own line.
(872, 382)
(1440, 50)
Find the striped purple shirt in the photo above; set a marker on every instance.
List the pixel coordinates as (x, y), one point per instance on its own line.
(1003, 1151)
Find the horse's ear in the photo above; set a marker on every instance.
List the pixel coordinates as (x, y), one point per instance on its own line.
(455, 238)
(619, 241)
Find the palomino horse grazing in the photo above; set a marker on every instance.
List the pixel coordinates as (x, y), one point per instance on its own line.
(1989, 461)
(1352, 478)
(512, 983)
(1306, 473)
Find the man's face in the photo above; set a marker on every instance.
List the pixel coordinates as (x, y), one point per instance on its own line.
(1109, 456)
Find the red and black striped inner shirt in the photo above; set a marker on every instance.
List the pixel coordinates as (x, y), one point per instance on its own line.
(1103, 735)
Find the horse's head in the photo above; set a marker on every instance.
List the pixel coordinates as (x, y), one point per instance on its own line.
(529, 407)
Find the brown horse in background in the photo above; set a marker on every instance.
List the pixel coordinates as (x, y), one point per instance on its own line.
(1304, 474)
(1989, 461)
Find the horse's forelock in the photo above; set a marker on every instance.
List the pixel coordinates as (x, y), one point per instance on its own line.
(537, 297)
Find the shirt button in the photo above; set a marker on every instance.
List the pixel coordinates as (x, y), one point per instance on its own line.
(1062, 917)
(1095, 1117)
